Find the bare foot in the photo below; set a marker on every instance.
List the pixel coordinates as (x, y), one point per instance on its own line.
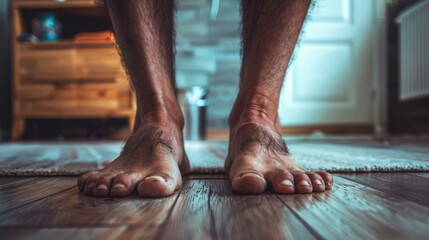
(258, 156)
(151, 162)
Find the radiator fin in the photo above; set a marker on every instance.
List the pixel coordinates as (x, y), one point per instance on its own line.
(414, 51)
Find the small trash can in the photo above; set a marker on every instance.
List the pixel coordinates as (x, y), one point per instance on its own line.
(195, 111)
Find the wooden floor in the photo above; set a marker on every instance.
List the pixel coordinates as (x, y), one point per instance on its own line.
(360, 206)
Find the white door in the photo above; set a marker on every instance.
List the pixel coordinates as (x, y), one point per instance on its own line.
(330, 78)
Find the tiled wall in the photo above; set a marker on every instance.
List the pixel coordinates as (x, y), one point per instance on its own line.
(208, 53)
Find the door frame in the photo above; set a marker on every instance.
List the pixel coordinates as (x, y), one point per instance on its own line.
(379, 73)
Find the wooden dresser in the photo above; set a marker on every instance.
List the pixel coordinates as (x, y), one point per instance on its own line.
(63, 79)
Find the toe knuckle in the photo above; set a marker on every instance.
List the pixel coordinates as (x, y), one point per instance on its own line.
(120, 178)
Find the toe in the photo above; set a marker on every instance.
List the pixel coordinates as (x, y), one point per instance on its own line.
(102, 186)
(316, 181)
(282, 181)
(157, 185)
(327, 178)
(302, 183)
(81, 181)
(124, 184)
(248, 181)
(91, 181)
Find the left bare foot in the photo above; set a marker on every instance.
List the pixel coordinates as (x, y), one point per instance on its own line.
(258, 156)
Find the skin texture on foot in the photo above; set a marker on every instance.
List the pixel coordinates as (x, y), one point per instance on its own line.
(258, 157)
(151, 164)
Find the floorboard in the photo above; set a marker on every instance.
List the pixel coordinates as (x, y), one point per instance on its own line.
(406, 186)
(16, 192)
(421, 174)
(208, 209)
(72, 209)
(206, 176)
(360, 212)
(361, 206)
(15, 180)
(63, 233)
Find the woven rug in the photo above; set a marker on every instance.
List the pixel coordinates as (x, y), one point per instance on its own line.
(38, 159)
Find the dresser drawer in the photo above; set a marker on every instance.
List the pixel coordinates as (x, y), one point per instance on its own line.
(65, 61)
(41, 64)
(97, 91)
(62, 96)
(98, 63)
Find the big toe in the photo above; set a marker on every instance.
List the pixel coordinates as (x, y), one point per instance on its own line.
(157, 185)
(248, 182)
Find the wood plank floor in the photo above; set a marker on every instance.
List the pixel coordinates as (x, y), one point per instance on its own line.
(360, 206)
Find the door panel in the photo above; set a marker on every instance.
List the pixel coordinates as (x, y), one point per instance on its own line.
(330, 78)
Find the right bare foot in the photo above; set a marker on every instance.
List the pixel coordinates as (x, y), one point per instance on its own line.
(151, 162)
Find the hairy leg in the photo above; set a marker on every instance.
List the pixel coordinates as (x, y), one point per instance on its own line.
(153, 157)
(257, 154)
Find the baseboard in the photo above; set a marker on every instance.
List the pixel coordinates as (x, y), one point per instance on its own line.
(329, 129)
(218, 134)
(305, 130)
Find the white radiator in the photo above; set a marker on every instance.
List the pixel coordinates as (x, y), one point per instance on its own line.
(414, 51)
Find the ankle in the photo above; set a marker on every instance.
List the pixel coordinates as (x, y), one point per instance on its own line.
(159, 113)
(258, 108)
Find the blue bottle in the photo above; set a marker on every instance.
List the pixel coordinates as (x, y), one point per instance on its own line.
(46, 27)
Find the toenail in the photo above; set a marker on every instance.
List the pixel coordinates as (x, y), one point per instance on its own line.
(102, 187)
(155, 178)
(249, 174)
(318, 182)
(287, 182)
(91, 185)
(119, 185)
(304, 183)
